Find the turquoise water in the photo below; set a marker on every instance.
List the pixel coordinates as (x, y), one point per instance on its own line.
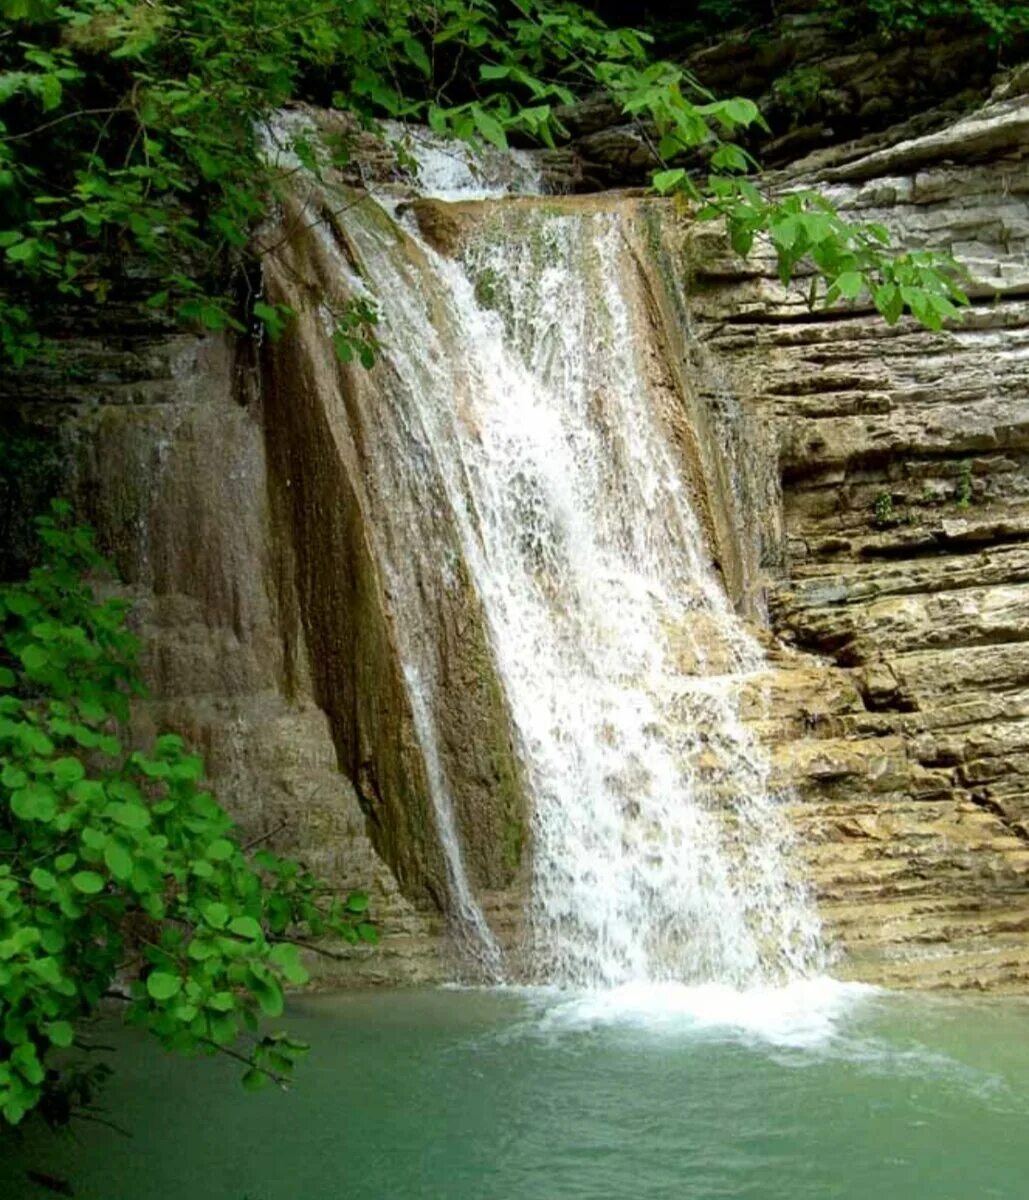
(648, 1094)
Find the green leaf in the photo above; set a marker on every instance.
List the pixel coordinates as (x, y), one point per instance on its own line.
(416, 55)
(489, 127)
(87, 882)
(162, 986)
(667, 181)
(25, 1059)
(784, 233)
(254, 1080)
(37, 741)
(224, 1029)
(269, 994)
(245, 927)
(13, 777)
(67, 770)
(287, 958)
(729, 158)
(87, 791)
(741, 110)
(34, 657)
(24, 251)
(889, 302)
(216, 914)
(36, 802)
(129, 815)
(52, 941)
(119, 861)
(219, 850)
(60, 1033)
(850, 284)
(741, 237)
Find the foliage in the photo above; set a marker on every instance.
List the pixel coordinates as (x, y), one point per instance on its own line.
(119, 873)
(885, 514)
(1006, 20)
(963, 495)
(850, 258)
(679, 28)
(132, 131)
(800, 88)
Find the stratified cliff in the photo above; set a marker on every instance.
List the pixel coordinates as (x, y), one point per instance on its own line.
(898, 555)
(163, 442)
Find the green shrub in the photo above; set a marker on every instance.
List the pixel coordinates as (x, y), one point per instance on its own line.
(1005, 20)
(120, 874)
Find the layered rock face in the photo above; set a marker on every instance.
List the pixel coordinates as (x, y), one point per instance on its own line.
(164, 443)
(819, 76)
(898, 554)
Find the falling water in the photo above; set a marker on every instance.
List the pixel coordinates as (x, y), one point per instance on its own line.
(518, 380)
(448, 169)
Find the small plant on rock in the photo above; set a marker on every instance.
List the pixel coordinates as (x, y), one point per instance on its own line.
(963, 496)
(885, 514)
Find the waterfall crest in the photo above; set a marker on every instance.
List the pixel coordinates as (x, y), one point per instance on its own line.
(519, 444)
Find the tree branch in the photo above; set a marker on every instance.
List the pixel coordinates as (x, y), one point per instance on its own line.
(274, 1076)
(81, 112)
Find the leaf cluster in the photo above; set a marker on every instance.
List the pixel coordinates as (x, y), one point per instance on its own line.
(134, 134)
(850, 260)
(1006, 21)
(120, 874)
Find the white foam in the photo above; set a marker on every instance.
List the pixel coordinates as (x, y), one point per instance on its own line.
(806, 1013)
(449, 169)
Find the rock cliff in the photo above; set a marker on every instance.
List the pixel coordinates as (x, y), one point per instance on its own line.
(878, 479)
(165, 443)
(897, 557)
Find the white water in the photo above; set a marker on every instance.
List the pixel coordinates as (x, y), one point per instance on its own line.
(451, 170)
(471, 929)
(658, 853)
(522, 419)
(804, 1013)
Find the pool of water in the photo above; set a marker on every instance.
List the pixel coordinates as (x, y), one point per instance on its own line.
(820, 1091)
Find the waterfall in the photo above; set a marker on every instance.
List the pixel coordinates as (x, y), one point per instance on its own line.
(524, 415)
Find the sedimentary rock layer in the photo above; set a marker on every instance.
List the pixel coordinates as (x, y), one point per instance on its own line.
(899, 556)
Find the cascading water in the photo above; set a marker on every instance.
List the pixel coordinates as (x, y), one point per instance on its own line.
(519, 386)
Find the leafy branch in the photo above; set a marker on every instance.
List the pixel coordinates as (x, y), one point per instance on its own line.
(120, 874)
(131, 135)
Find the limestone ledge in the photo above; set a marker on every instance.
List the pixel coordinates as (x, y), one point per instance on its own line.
(895, 566)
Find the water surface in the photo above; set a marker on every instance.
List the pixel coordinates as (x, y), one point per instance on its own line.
(647, 1093)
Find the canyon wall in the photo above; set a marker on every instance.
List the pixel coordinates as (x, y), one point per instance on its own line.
(896, 560)
(164, 442)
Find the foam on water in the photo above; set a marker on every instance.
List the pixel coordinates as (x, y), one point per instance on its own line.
(806, 1013)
